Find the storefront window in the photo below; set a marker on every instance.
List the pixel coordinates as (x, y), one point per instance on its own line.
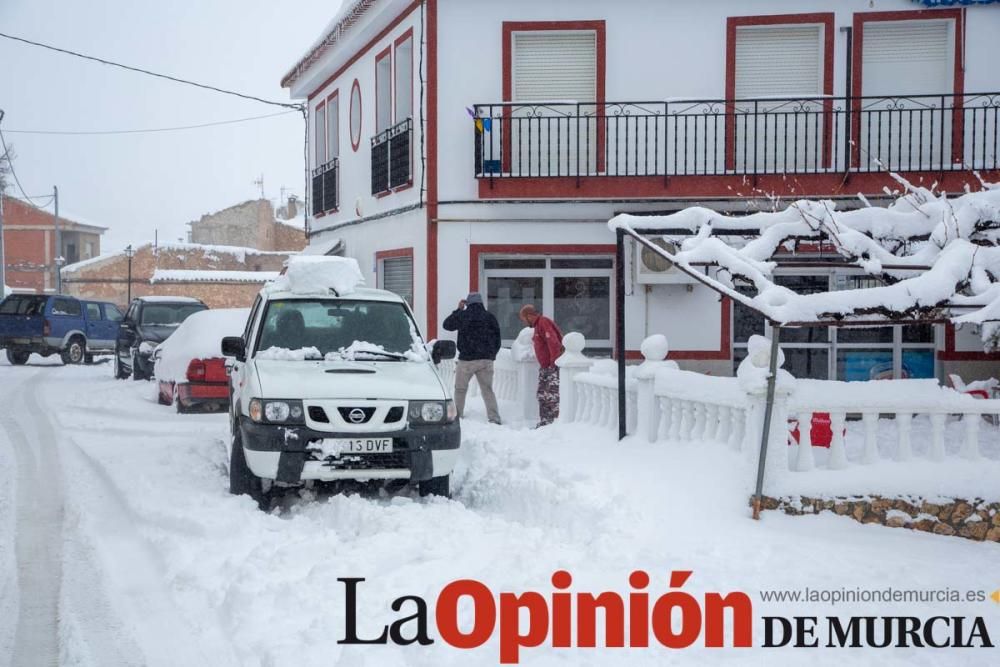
(505, 297)
(574, 291)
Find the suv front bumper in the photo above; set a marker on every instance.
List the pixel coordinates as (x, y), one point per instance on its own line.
(280, 453)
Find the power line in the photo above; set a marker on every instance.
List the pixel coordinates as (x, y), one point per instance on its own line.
(297, 107)
(158, 129)
(10, 165)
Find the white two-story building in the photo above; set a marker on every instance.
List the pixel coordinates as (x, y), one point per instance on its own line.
(464, 145)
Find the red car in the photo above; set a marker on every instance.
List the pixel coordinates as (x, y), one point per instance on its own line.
(189, 365)
(206, 386)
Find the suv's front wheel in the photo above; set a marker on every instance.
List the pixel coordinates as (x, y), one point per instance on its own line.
(75, 351)
(436, 486)
(121, 372)
(242, 481)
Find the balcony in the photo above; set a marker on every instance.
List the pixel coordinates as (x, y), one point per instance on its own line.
(391, 153)
(644, 146)
(325, 179)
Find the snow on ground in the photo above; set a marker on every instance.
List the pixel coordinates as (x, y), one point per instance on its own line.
(161, 566)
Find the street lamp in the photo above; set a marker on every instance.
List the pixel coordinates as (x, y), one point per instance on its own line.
(129, 252)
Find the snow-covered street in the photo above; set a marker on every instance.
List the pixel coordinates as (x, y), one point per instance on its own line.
(120, 544)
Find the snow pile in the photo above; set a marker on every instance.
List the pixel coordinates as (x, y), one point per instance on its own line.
(916, 396)
(196, 276)
(319, 275)
(285, 354)
(931, 251)
(198, 337)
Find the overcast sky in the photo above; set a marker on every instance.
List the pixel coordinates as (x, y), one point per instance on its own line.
(138, 183)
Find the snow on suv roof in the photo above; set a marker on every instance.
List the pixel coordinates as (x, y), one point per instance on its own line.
(359, 294)
(168, 299)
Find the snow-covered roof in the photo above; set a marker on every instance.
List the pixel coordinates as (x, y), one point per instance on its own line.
(341, 23)
(323, 247)
(240, 253)
(934, 253)
(194, 275)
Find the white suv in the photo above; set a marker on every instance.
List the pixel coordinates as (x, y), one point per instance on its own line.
(330, 386)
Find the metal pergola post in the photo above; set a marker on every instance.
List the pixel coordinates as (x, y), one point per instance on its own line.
(620, 329)
(768, 410)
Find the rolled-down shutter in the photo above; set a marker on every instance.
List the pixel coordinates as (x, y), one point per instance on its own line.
(555, 65)
(397, 277)
(908, 57)
(782, 61)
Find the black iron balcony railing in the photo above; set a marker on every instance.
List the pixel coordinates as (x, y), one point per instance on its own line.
(325, 179)
(735, 137)
(391, 157)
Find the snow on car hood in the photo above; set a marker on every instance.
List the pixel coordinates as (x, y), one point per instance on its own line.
(404, 380)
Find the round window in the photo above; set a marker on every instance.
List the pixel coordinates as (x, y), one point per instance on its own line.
(355, 115)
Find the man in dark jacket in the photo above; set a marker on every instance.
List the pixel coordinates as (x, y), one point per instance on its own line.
(478, 344)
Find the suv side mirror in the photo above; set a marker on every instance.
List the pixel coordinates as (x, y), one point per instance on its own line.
(443, 349)
(233, 346)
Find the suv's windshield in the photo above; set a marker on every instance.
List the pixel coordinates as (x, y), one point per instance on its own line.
(359, 329)
(23, 304)
(167, 314)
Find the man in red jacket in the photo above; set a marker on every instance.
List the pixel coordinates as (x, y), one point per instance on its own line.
(548, 347)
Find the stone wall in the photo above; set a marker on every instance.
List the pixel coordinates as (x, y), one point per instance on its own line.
(107, 278)
(251, 224)
(974, 519)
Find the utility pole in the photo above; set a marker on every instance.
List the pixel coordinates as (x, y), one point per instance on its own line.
(58, 257)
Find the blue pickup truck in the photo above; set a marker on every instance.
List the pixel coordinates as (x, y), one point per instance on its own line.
(50, 324)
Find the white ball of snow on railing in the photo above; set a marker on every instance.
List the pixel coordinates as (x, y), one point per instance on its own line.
(574, 342)
(522, 349)
(759, 352)
(655, 348)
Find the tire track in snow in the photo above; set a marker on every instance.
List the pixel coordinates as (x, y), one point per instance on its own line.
(38, 532)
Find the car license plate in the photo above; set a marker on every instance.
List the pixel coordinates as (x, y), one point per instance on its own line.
(337, 446)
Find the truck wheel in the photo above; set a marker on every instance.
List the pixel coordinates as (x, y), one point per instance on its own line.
(242, 481)
(120, 373)
(18, 357)
(436, 486)
(75, 351)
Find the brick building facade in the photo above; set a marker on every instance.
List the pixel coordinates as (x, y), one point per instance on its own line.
(252, 224)
(29, 242)
(221, 276)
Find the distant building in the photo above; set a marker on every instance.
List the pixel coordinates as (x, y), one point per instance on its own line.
(253, 224)
(29, 241)
(221, 276)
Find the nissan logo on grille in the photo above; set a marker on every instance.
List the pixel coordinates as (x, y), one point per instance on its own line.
(356, 415)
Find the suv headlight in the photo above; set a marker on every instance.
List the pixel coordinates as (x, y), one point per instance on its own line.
(432, 412)
(272, 411)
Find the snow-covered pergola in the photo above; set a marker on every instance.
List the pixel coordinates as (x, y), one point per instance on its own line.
(937, 257)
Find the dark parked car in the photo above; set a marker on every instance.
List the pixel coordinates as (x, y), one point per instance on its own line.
(149, 321)
(48, 324)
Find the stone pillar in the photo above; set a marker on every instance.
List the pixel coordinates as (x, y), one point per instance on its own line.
(571, 363)
(522, 353)
(654, 352)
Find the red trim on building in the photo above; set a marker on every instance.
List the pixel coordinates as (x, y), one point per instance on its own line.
(335, 95)
(477, 250)
(706, 187)
(379, 57)
(390, 254)
(510, 27)
(734, 22)
(431, 177)
(949, 353)
(959, 74)
(367, 47)
(321, 107)
(408, 34)
(350, 116)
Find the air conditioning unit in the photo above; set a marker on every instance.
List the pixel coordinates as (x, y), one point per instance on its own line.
(655, 269)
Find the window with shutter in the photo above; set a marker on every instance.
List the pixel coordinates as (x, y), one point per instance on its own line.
(396, 275)
(901, 60)
(557, 66)
(778, 73)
